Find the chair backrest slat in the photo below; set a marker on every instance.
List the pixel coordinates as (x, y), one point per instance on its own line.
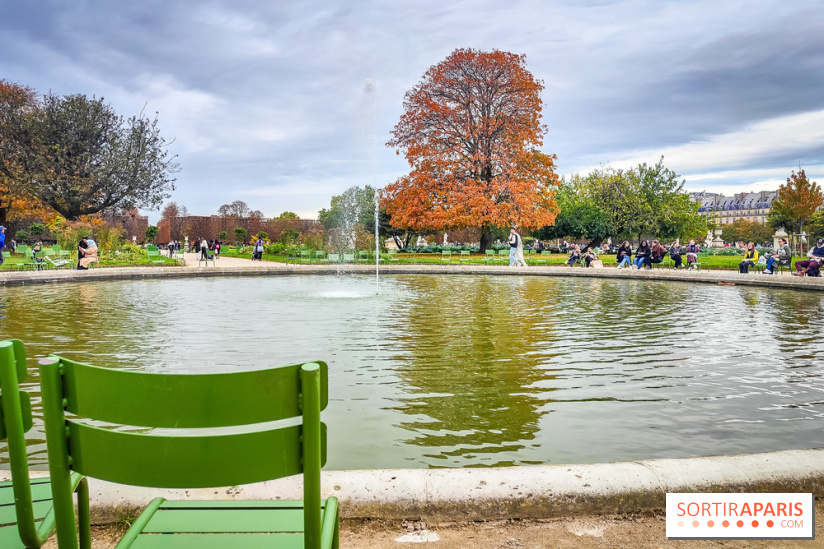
(187, 461)
(15, 420)
(136, 398)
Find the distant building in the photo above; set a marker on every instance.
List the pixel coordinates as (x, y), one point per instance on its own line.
(728, 209)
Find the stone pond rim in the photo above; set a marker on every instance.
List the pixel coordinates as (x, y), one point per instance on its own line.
(139, 273)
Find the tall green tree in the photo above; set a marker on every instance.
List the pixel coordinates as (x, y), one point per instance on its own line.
(79, 156)
(356, 206)
(646, 200)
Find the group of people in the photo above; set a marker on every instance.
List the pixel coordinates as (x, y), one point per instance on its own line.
(86, 253)
(204, 248)
(649, 253)
(172, 246)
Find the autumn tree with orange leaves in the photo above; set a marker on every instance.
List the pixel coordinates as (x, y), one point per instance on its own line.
(471, 133)
(16, 202)
(797, 201)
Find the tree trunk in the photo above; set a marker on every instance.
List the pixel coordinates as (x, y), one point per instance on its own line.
(595, 242)
(486, 239)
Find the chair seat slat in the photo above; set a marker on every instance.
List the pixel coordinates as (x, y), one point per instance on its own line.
(225, 521)
(218, 541)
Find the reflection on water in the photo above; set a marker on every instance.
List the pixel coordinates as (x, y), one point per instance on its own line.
(456, 371)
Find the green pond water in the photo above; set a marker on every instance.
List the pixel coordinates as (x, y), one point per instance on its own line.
(462, 371)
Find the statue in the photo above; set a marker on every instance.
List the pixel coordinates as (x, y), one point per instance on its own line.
(708, 240)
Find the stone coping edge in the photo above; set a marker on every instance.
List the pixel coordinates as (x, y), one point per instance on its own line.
(535, 491)
(146, 273)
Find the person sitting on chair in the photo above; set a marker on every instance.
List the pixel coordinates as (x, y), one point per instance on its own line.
(675, 253)
(782, 256)
(657, 254)
(692, 254)
(810, 267)
(641, 254)
(574, 256)
(624, 256)
(589, 256)
(750, 258)
(89, 255)
(82, 246)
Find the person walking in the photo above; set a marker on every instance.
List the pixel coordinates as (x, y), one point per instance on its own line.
(2, 242)
(514, 243)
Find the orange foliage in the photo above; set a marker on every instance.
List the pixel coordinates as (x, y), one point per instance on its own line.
(799, 198)
(16, 102)
(471, 132)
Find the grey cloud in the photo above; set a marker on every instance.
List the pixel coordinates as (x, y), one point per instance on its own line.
(282, 83)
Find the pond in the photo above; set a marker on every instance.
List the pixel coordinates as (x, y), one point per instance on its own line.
(463, 371)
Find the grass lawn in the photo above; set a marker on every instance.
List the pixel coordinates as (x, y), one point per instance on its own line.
(17, 261)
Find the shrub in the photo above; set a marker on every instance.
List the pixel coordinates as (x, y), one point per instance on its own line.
(241, 235)
(274, 249)
(110, 238)
(69, 233)
(288, 236)
(262, 235)
(223, 235)
(21, 235)
(314, 238)
(37, 229)
(151, 232)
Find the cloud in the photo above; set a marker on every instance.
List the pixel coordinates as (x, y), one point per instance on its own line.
(265, 101)
(796, 136)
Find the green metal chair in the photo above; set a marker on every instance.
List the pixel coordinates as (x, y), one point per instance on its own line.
(489, 256)
(545, 254)
(262, 451)
(446, 255)
(180, 256)
(26, 512)
(465, 256)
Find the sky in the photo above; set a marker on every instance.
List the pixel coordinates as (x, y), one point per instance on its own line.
(284, 104)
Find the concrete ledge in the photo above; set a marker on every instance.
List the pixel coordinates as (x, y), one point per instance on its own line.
(273, 269)
(541, 491)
